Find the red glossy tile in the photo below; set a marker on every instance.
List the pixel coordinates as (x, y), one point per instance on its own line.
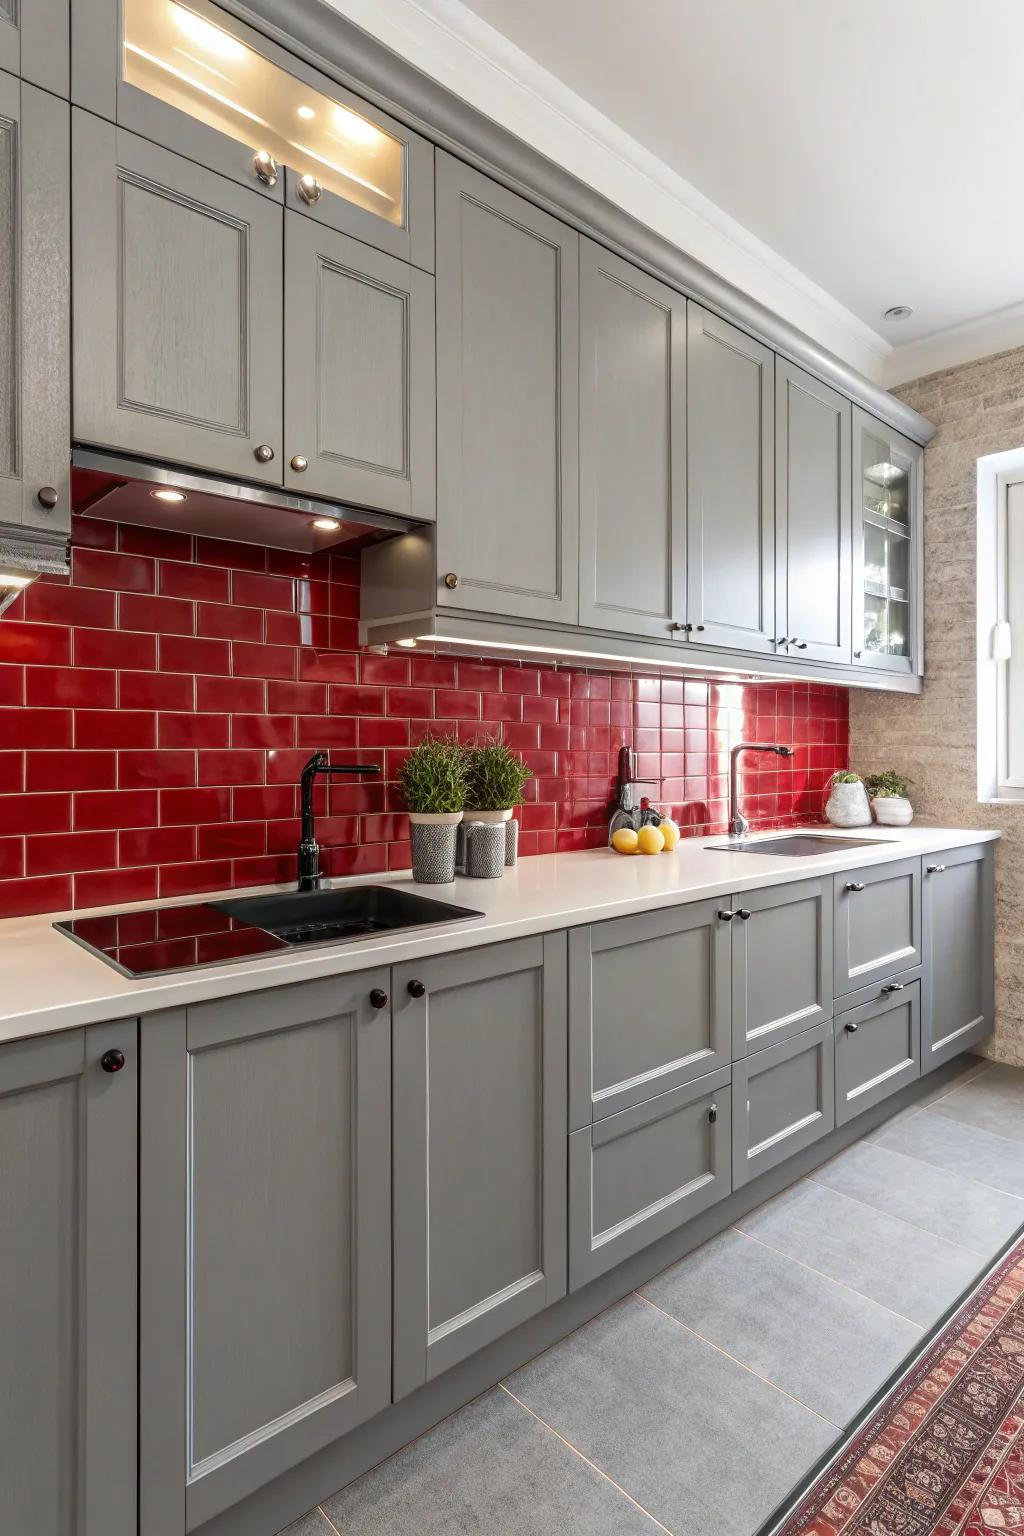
(180, 807)
(106, 648)
(262, 731)
(263, 802)
(46, 644)
(70, 688)
(249, 590)
(345, 700)
(61, 853)
(154, 690)
(456, 704)
(93, 532)
(198, 583)
(502, 706)
(182, 879)
(383, 733)
(296, 698)
(262, 660)
(231, 767)
(193, 730)
(18, 898)
(27, 728)
(393, 671)
(433, 672)
(181, 653)
(236, 557)
(101, 810)
(155, 615)
(227, 694)
(37, 813)
(118, 573)
(390, 828)
(269, 869)
(114, 728)
(158, 543)
(297, 629)
(156, 770)
(218, 622)
(370, 859)
(12, 858)
(57, 603)
(315, 732)
(156, 845)
(327, 667)
(523, 680)
(12, 686)
(110, 887)
(233, 840)
(70, 770)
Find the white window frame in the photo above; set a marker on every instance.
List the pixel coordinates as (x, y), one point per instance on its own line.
(996, 474)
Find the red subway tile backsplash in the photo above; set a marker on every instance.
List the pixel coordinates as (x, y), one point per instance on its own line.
(156, 712)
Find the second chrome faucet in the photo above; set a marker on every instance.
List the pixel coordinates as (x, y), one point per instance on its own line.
(739, 826)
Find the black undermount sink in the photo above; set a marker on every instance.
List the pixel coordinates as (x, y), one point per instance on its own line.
(798, 845)
(326, 917)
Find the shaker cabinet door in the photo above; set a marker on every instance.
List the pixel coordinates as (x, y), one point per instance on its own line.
(507, 407)
(877, 923)
(35, 39)
(783, 1101)
(177, 308)
(957, 940)
(359, 373)
(878, 1044)
(781, 962)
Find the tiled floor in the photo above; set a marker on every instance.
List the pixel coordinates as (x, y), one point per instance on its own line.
(698, 1402)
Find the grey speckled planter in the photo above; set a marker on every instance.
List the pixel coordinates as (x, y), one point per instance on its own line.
(511, 842)
(433, 848)
(485, 849)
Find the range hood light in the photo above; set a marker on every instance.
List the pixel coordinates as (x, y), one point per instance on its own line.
(409, 644)
(326, 524)
(166, 493)
(12, 581)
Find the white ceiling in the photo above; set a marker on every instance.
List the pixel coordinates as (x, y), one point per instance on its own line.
(875, 145)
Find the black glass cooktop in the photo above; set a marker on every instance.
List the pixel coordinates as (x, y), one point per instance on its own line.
(170, 938)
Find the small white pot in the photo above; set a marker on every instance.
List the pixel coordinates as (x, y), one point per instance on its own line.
(847, 806)
(489, 817)
(892, 811)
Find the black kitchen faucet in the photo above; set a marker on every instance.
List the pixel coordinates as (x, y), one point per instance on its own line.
(309, 849)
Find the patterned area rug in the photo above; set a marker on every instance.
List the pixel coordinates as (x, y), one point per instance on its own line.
(945, 1451)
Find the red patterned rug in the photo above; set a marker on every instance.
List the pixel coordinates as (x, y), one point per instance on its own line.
(945, 1451)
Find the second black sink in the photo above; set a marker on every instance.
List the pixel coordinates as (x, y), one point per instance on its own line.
(326, 917)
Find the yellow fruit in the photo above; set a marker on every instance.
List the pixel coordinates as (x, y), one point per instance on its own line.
(670, 832)
(650, 840)
(624, 840)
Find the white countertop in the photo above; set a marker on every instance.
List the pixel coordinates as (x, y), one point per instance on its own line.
(49, 983)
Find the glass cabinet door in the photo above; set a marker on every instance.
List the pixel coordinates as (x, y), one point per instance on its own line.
(886, 493)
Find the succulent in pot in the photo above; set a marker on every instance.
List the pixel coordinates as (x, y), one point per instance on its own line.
(889, 801)
(495, 777)
(433, 784)
(847, 804)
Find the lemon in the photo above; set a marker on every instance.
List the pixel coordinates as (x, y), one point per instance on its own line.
(670, 832)
(650, 840)
(625, 840)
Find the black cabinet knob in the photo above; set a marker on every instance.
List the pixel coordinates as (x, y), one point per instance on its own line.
(725, 915)
(851, 1029)
(47, 497)
(378, 998)
(416, 989)
(743, 912)
(112, 1061)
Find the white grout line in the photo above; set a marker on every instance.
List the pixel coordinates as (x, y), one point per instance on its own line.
(830, 1278)
(330, 1522)
(935, 1167)
(921, 1106)
(879, 1210)
(577, 1452)
(737, 1361)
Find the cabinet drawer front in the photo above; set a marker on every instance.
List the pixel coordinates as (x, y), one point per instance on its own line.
(781, 963)
(877, 923)
(640, 1174)
(957, 925)
(649, 1007)
(878, 1049)
(783, 1100)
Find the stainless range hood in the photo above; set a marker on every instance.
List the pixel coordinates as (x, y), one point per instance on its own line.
(140, 491)
(26, 553)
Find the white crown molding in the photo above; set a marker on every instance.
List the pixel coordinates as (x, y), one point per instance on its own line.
(448, 42)
(999, 331)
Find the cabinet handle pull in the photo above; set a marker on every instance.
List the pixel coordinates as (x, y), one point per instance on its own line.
(112, 1061)
(378, 998)
(936, 869)
(47, 497)
(681, 629)
(265, 166)
(851, 1029)
(855, 885)
(743, 912)
(801, 645)
(309, 190)
(698, 626)
(725, 915)
(712, 1114)
(857, 655)
(893, 986)
(782, 640)
(299, 463)
(451, 581)
(264, 453)
(416, 989)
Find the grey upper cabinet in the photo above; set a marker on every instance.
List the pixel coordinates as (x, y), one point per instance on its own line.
(730, 487)
(888, 548)
(878, 1044)
(632, 448)
(667, 973)
(359, 373)
(812, 517)
(35, 42)
(35, 308)
(177, 314)
(265, 1251)
(783, 1101)
(479, 1149)
(957, 983)
(877, 923)
(507, 401)
(781, 962)
(197, 80)
(68, 1132)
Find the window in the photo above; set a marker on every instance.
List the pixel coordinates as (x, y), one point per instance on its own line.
(1001, 627)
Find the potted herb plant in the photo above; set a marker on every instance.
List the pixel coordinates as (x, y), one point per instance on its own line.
(847, 804)
(888, 791)
(433, 784)
(495, 776)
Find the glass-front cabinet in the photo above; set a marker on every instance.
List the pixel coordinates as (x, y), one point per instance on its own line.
(887, 497)
(193, 78)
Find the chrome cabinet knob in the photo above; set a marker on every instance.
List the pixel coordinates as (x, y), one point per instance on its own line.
(855, 885)
(265, 166)
(451, 581)
(936, 869)
(712, 1114)
(299, 463)
(893, 986)
(47, 497)
(851, 1029)
(264, 453)
(309, 190)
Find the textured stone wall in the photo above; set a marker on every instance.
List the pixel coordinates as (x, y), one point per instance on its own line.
(978, 409)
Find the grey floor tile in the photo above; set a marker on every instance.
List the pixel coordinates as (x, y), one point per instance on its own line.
(905, 1269)
(974, 1068)
(951, 1206)
(312, 1524)
(489, 1469)
(692, 1436)
(993, 1102)
(821, 1342)
(964, 1149)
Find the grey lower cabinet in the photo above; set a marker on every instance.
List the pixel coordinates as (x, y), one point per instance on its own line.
(957, 983)
(781, 961)
(813, 522)
(730, 487)
(177, 276)
(265, 1238)
(878, 1044)
(35, 307)
(648, 1007)
(35, 42)
(632, 448)
(358, 373)
(507, 401)
(877, 923)
(783, 1099)
(68, 1132)
(479, 1113)
(637, 1175)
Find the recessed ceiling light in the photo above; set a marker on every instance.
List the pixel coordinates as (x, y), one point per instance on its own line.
(166, 493)
(305, 112)
(326, 524)
(898, 312)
